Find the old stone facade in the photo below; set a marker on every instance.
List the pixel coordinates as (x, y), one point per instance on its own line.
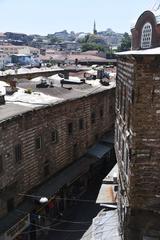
(137, 142)
(39, 143)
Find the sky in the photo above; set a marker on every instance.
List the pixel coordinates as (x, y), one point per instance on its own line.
(49, 16)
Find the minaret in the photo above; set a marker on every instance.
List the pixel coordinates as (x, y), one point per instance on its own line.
(94, 28)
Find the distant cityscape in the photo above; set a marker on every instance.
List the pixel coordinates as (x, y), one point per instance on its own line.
(19, 49)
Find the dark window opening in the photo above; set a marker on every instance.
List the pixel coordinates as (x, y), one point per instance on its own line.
(70, 128)
(54, 136)
(38, 142)
(81, 123)
(10, 204)
(18, 153)
(75, 150)
(101, 113)
(46, 168)
(93, 117)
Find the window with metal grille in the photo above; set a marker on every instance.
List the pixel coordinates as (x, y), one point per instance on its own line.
(70, 128)
(38, 142)
(93, 117)
(54, 136)
(81, 123)
(18, 152)
(46, 168)
(146, 36)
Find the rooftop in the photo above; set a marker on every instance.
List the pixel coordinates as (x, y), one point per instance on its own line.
(151, 51)
(21, 102)
(155, 12)
(104, 226)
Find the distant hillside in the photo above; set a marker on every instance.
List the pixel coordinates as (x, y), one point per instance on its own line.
(111, 37)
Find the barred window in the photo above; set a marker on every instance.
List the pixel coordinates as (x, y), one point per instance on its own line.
(81, 123)
(70, 128)
(54, 136)
(38, 142)
(146, 37)
(93, 117)
(18, 153)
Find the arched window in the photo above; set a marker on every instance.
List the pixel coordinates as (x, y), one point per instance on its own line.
(146, 37)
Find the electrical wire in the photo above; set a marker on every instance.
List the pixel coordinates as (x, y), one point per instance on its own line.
(50, 227)
(65, 230)
(60, 198)
(59, 230)
(76, 200)
(56, 219)
(84, 236)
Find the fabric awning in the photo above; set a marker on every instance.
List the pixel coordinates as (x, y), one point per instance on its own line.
(48, 189)
(99, 150)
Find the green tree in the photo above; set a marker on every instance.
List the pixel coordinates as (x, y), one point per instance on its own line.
(92, 46)
(126, 43)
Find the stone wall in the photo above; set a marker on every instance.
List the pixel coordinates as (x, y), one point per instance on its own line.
(53, 155)
(137, 143)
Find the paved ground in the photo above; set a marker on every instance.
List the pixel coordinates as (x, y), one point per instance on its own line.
(82, 213)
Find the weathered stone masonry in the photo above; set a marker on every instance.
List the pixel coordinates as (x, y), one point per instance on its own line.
(24, 129)
(137, 145)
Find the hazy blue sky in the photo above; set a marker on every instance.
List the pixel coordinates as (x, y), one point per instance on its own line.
(48, 16)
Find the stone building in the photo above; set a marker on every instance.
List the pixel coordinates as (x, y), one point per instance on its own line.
(137, 134)
(146, 31)
(44, 140)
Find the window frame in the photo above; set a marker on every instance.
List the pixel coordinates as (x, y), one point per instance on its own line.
(55, 138)
(39, 137)
(70, 128)
(93, 117)
(81, 124)
(146, 36)
(18, 152)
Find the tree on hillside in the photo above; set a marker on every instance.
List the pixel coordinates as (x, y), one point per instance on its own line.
(92, 46)
(126, 43)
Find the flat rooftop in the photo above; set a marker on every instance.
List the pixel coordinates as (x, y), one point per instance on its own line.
(151, 51)
(21, 102)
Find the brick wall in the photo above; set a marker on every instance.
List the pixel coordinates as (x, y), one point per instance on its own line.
(146, 17)
(137, 144)
(26, 128)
